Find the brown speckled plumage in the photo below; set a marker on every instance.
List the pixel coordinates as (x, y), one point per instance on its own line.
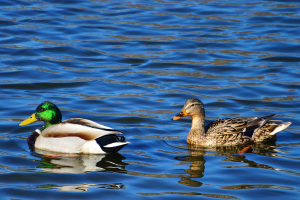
(227, 132)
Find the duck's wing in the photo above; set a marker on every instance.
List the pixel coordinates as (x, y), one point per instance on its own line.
(239, 131)
(77, 127)
(227, 132)
(226, 126)
(257, 122)
(238, 125)
(90, 123)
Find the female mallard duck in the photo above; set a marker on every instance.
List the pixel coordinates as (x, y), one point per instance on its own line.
(227, 131)
(75, 135)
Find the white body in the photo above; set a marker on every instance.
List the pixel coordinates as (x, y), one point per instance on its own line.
(68, 145)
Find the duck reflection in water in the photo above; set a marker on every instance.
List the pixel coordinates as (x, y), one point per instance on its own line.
(192, 176)
(83, 187)
(80, 163)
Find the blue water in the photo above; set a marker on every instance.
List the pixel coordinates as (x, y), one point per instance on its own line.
(131, 65)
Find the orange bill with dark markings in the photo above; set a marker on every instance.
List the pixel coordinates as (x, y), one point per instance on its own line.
(180, 115)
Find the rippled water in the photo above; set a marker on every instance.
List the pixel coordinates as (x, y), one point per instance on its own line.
(131, 65)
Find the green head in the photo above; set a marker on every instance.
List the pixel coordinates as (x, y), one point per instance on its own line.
(47, 112)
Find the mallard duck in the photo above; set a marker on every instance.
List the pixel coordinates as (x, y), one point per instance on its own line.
(75, 135)
(228, 132)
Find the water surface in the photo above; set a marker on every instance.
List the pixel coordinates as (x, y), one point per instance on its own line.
(131, 66)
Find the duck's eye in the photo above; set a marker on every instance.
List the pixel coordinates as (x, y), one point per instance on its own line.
(42, 109)
(192, 105)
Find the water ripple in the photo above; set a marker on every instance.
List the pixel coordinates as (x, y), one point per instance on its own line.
(132, 65)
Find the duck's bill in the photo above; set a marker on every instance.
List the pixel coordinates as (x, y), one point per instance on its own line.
(180, 115)
(30, 120)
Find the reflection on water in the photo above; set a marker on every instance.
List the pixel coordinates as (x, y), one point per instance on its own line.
(197, 162)
(82, 187)
(77, 163)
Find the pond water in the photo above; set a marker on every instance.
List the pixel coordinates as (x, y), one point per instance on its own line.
(131, 65)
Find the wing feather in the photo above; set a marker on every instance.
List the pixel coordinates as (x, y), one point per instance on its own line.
(244, 127)
(86, 122)
(227, 126)
(85, 132)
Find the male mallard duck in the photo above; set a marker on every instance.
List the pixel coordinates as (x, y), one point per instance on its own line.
(227, 131)
(75, 135)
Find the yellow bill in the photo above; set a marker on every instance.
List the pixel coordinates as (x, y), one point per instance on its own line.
(180, 115)
(30, 120)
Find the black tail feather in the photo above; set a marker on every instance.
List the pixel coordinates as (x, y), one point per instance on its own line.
(109, 139)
